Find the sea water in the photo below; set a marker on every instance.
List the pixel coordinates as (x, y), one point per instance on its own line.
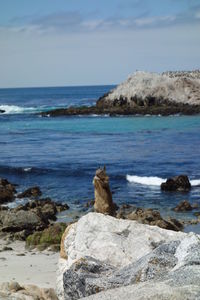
(61, 154)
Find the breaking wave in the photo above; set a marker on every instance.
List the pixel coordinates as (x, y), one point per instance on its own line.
(154, 181)
(14, 109)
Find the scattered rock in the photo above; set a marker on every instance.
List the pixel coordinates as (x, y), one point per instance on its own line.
(178, 183)
(183, 206)
(27, 292)
(103, 196)
(33, 192)
(153, 217)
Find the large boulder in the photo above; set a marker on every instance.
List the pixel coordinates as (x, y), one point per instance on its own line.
(7, 191)
(103, 196)
(178, 183)
(102, 252)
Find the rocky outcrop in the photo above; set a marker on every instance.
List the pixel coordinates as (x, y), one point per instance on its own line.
(183, 206)
(33, 192)
(153, 89)
(153, 217)
(7, 191)
(23, 220)
(15, 291)
(103, 252)
(103, 196)
(146, 93)
(179, 183)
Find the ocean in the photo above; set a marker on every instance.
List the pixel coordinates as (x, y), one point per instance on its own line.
(61, 154)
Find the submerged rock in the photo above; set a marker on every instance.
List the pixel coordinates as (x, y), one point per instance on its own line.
(33, 192)
(103, 196)
(183, 206)
(179, 183)
(122, 259)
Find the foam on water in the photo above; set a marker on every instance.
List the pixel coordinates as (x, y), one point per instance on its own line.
(154, 181)
(14, 109)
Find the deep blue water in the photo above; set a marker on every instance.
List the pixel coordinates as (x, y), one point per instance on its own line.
(61, 154)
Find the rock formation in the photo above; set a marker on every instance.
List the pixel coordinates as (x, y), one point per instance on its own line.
(179, 183)
(146, 93)
(183, 206)
(108, 258)
(149, 89)
(103, 196)
(153, 217)
(7, 191)
(23, 220)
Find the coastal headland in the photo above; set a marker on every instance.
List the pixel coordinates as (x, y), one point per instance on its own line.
(145, 93)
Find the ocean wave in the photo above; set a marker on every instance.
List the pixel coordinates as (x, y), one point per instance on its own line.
(14, 109)
(154, 181)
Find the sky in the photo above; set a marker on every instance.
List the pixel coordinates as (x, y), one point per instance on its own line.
(92, 42)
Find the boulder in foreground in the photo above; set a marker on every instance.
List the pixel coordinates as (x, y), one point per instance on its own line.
(108, 258)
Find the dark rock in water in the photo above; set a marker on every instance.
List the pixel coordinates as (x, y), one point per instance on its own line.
(2, 111)
(153, 217)
(33, 192)
(7, 191)
(178, 183)
(183, 206)
(103, 196)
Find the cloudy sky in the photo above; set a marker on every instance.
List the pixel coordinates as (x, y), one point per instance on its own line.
(87, 42)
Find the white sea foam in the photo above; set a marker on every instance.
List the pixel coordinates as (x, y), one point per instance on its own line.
(195, 182)
(154, 181)
(14, 109)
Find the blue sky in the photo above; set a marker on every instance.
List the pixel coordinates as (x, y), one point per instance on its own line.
(80, 42)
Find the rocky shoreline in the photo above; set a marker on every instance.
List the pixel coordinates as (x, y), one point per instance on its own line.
(145, 93)
(100, 255)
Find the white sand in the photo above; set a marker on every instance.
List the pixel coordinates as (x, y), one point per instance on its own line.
(38, 268)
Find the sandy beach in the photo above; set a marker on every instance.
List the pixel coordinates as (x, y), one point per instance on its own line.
(27, 267)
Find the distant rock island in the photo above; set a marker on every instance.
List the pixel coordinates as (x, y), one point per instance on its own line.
(172, 92)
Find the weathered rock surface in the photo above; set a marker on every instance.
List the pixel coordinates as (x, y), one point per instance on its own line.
(148, 89)
(103, 252)
(103, 196)
(7, 191)
(14, 291)
(153, 217)
(146, 93)
(179, 183)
